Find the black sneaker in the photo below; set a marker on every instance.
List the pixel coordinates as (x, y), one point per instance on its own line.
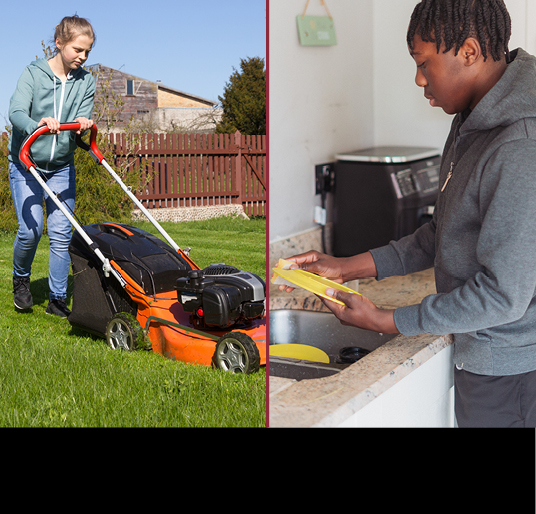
(58, 308)
(21, 291)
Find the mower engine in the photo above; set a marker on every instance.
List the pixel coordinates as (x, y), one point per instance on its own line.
(221, 296)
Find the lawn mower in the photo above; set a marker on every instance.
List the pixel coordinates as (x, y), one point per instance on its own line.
(138, 291)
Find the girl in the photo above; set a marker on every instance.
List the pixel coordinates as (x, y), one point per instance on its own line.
(49, 92)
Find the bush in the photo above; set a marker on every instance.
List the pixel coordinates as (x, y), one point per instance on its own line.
(8, 220)
(99, 197)
(244, 99)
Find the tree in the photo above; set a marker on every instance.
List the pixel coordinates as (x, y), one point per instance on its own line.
(244, 99)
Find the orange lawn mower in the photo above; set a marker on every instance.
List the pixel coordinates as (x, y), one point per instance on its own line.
(136, 290)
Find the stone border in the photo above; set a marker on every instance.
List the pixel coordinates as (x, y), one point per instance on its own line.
(191, 213)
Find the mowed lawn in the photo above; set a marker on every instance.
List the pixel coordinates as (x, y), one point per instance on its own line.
(52, 375)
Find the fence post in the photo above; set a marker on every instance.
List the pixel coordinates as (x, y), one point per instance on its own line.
(239, 171)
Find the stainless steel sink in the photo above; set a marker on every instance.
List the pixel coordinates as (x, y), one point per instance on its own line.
(322, 330)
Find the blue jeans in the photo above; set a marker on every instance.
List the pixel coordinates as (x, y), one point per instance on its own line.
(28, 197)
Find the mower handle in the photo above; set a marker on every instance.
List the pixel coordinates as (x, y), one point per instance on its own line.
(27, 161)
(29, 165)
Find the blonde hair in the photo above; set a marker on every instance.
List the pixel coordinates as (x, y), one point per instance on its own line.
(71, 27)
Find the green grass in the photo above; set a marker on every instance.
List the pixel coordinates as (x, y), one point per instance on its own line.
(52, 375)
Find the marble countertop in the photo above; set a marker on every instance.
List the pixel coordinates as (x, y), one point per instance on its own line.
(329, 401)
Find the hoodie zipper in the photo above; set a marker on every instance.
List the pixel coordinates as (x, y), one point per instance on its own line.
(448, 176)
(452, 163)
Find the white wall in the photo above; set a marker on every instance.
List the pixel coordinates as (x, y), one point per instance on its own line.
(402, 116)
(324, 100)
(320, 102)
(530, 26)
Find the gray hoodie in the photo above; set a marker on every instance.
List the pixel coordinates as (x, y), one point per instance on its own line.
(39, 94)
(482, 238)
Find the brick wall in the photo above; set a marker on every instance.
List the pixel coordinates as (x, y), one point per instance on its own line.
(167, 98)
(142, 102)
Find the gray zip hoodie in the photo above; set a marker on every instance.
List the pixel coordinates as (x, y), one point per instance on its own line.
(39, 94)
(482, 238)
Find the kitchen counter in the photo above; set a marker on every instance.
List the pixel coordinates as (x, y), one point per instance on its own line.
(332, 400)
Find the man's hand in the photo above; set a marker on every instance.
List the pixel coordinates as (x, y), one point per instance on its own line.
(359, 311)
(316, 262)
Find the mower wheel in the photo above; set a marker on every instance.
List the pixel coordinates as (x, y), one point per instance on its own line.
(124, 333)
(237, 352)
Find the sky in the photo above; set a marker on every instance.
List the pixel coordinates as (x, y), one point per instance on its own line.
(189, 45)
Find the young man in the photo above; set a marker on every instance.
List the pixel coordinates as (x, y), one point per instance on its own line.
(482, 239)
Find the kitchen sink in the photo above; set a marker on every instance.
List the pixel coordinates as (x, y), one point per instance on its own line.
(343, 344)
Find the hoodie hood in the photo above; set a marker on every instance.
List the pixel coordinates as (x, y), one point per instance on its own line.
(41, 94)
(42, 65)
(512, 98)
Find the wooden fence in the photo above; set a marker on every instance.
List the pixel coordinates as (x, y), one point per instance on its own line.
(188, 170)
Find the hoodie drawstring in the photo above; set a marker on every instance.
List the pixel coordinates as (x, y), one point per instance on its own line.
(57, 115)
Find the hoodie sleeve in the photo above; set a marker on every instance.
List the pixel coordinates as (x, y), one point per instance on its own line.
(21, 104)
(503, 288)
(409, 254)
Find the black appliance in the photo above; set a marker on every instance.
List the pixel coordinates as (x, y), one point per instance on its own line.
(382, 194)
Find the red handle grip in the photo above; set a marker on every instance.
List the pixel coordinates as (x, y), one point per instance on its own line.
(24, 153)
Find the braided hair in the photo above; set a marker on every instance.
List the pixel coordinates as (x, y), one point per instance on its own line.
(451, 22)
